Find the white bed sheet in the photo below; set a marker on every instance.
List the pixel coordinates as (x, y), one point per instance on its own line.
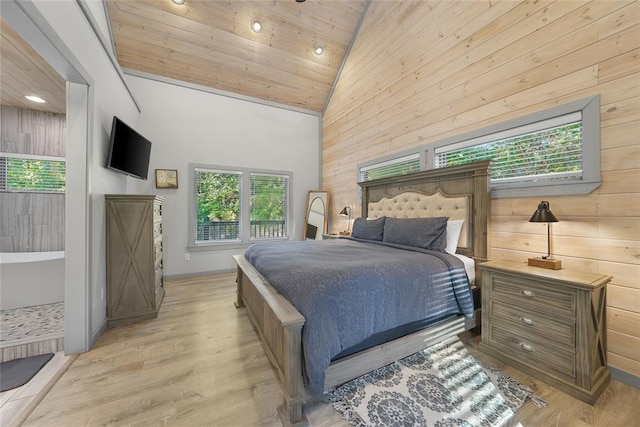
(469, 266)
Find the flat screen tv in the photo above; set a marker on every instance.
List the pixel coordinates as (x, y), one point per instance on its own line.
(128, 150)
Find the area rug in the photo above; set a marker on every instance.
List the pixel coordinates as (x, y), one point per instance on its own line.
(440, 386)
(17, 372)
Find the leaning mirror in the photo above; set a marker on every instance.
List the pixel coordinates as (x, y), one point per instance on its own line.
(315, 222)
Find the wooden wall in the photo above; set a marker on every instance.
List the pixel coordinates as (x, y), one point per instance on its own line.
(423, 71)
(31, 222)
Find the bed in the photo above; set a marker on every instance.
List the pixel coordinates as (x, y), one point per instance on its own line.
(458, 193)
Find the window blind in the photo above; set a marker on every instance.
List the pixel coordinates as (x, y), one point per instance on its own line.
(23, 172)
(268, 205)
(546, 150)
(394, 167)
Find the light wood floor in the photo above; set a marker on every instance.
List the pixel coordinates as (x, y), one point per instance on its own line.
(200, 364)
(17, 403)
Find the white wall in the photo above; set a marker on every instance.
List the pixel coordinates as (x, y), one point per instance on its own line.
(187, 125)
(107, 97)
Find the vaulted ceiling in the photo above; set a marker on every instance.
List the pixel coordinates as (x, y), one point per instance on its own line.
(208, 43)
(211, 43)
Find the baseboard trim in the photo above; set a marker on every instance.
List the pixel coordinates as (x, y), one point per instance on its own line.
(624, 377)
(198, 274)
(96, 334)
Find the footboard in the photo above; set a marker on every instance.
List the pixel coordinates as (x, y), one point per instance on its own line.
(279, 325)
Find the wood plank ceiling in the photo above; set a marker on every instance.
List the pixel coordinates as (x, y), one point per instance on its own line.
(211, 43)
(24, 72)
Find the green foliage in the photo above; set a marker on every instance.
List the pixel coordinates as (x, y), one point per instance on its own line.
(268, 198)
(545, 152)
(218, 196)
(35, 175)
(393, 170)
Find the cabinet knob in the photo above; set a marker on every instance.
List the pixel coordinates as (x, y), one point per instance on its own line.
(527, 347)
(527, 321)
(527, 293)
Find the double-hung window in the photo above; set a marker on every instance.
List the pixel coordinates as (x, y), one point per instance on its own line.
(34, 173)
(237, 205)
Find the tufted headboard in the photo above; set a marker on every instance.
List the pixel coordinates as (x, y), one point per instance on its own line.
(457, 192)
(417, 205)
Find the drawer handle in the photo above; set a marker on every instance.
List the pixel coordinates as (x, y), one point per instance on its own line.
(527, 321)
(527, 293)
(527, 347)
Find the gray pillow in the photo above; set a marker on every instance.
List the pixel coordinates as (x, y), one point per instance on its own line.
(369, 229)
(427, 233)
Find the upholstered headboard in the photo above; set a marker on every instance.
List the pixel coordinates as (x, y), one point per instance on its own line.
(457, 192)
(417, 205)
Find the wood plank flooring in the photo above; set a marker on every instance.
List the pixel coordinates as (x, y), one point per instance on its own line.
(200, 364)
(16, 404)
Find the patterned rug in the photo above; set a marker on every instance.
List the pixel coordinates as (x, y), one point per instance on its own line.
(440, 386)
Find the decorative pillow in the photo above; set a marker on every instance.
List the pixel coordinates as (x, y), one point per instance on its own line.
(427, 233)
(454, 227)
(369, 229)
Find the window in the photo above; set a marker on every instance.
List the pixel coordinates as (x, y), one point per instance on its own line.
(393, 167)
(269, 203)
(547, 150)
(237, 205)
(218, 202)
(548, 153)
(553, 152)
(25, 172)
(381, 168)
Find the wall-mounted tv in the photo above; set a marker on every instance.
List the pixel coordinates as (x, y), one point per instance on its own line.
(128, 150)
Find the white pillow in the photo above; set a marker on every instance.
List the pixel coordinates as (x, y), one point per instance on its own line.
(454, 228)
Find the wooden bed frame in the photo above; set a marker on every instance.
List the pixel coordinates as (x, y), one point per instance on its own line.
(279, 324)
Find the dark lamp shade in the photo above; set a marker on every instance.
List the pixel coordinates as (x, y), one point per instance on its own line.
(345, 211)
(543, 214)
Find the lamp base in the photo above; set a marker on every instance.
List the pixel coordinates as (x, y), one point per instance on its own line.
(345, 233)
(551, 264)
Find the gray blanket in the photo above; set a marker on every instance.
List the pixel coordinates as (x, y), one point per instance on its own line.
(348, 290)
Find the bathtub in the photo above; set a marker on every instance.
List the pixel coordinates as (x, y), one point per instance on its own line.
(31, 278)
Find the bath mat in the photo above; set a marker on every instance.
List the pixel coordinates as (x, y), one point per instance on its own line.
(442, 385)
(17, 372)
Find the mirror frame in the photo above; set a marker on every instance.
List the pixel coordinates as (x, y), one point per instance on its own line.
(311, 197)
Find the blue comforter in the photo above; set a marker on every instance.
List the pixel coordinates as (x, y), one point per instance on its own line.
(348, 290)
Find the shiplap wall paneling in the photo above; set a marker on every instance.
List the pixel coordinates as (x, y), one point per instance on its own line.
(420, 72)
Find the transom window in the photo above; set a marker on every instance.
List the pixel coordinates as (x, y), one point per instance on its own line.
(238, 205)
(546, 150)
(551, 152)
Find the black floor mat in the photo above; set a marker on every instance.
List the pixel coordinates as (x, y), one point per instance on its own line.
(17, 372)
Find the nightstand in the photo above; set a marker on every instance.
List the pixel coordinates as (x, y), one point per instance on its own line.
(547, 323)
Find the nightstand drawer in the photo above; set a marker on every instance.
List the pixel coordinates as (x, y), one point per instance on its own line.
(533, 352)
(522, 292)
(552, 328)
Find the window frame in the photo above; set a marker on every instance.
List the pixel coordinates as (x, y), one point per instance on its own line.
(388, 160)
(590, 111)
(245, 208)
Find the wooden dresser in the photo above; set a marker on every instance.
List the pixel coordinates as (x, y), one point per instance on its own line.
(550, 324)
(134, 257)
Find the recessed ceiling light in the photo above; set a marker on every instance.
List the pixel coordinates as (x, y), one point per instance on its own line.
(256, 26)
(178, 2)
(34, 98)
(318, 48)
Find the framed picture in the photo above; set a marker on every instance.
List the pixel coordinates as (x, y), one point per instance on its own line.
(166, 178)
